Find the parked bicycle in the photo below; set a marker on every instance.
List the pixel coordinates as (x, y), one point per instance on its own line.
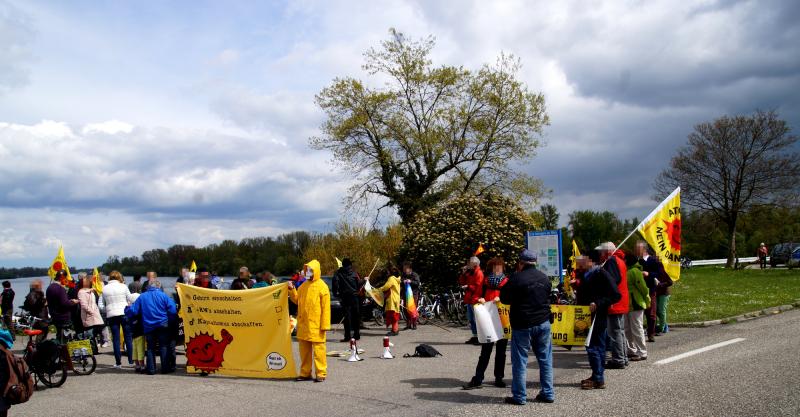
(45, 358)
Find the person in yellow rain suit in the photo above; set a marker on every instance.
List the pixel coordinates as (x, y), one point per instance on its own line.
(313, 301)
(391, 305)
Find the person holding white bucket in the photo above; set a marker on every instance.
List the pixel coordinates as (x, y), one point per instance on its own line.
(491, 293)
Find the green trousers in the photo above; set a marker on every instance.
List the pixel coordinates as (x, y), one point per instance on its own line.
(661, 313)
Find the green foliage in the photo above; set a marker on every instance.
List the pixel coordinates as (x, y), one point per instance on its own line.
(705, 236)
(590, 228)
(362, 245)
(712, 293)
(442, 238)
(431, 132)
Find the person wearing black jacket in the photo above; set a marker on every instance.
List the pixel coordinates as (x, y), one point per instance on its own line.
(598, 290)
(346, 284)
(528, 295)
(658, 282)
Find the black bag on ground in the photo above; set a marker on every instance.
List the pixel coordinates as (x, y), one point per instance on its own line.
(424, 351)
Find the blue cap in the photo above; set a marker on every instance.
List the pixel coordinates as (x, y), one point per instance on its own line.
(527, 256)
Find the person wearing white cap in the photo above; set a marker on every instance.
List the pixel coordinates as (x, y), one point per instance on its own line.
(762, 255)
(614, 262)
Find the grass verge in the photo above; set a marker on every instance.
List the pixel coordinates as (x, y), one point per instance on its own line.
(711, 293)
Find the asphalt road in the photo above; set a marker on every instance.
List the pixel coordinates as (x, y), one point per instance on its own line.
(759, 376)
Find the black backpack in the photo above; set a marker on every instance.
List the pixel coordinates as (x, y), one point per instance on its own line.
(424, 351)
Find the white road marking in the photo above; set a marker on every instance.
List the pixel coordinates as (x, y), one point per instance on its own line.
(698, 351)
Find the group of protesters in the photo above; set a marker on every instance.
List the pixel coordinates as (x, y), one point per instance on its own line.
(621, 290)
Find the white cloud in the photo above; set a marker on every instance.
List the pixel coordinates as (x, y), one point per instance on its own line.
(111, 127)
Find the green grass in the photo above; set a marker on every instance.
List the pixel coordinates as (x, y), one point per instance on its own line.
(710, 293)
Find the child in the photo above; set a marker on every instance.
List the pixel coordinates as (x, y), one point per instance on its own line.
(138, 339)
(392, 303)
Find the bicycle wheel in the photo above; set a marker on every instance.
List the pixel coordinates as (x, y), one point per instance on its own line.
(377, 316)
(55, 379)
(424, 315)
(84, 364)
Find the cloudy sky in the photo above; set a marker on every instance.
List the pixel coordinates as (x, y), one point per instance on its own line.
(125, 127)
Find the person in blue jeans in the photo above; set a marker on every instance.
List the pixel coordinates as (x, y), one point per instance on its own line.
(527, 294)
(156, 310)
(597, 289)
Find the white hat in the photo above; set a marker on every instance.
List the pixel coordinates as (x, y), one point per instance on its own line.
(609, 246)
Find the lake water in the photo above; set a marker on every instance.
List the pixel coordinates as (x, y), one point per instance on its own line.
(22, 286)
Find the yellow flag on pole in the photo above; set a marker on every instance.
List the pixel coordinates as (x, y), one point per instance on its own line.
(58, 264)
(193, 268)
(97, 282)
(573, 260)
(662, 231)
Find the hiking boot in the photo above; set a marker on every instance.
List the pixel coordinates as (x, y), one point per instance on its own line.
(472, 384)
(587, 384)
(499, 383)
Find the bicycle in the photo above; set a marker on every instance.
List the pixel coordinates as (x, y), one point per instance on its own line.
(45, 358)
(81, 350)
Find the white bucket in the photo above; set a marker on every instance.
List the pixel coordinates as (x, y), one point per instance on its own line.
(487, 320)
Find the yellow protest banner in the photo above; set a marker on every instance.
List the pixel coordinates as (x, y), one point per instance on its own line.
(239, 333)
(503, 311)
(570, 324)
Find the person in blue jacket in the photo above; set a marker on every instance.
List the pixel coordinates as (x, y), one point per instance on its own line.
(156, 310)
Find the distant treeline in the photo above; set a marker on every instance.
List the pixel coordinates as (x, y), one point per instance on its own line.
(28, 271)
(281, 255)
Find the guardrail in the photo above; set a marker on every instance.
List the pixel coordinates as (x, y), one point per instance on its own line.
(702, 262)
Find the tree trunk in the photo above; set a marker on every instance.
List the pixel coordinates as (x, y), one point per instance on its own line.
(731, 246)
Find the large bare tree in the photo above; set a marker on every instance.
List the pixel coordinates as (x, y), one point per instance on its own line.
(429, 132)
(733, 164)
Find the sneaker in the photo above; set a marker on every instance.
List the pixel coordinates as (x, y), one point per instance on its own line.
(499, 383)
(320, 379)
(637, 358)
(104, 345)
(540, 398)
(117, 366)
(511, 400)
(472, 384)
(472, 341)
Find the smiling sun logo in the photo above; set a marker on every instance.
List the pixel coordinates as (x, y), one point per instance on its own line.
(205, 353)
(673, 230)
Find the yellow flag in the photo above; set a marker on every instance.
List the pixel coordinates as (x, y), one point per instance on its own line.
(374, 293)
(662, 231)
(573, 260)
(193, 268)
(58, 264)
(97, 282)
(338, 262)
(239, 333)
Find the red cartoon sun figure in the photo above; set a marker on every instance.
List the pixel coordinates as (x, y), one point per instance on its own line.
(673, 230)
(205, 353)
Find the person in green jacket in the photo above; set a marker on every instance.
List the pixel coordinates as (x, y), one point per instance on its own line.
(639, 300)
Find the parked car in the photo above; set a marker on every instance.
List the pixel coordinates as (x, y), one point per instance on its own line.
(781, 252)
(794, 259)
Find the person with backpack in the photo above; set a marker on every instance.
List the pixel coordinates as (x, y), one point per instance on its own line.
(527, 293)
(36, 304)
(16, 380)
(495, 281)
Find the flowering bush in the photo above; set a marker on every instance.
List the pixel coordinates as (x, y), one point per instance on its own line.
(441, 239)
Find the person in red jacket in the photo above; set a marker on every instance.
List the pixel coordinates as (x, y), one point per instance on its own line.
(491, 293)
(471, 280)
(614, 263)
